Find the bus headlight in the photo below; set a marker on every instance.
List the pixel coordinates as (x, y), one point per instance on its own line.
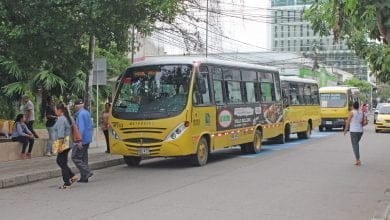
(113, 134)
(179, 130)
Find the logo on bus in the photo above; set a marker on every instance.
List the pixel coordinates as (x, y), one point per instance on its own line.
(225, 118)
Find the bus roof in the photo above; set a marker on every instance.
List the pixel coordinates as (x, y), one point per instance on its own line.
(297, 79)
(149, 61)
(338, 89)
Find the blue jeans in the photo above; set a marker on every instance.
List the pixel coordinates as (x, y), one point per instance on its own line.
(50, 131)
(355, 138)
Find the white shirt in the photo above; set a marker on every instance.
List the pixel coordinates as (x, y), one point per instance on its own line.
(356, 121)
(29, 106)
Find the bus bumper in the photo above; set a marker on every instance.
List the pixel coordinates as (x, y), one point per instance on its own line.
(162, 149)
(332, 123)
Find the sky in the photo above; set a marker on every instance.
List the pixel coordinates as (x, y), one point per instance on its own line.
(244, 27)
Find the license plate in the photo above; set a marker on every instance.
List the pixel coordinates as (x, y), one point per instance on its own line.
(328, 122)
(143, 151)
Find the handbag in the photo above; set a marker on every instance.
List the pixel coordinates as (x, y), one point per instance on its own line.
(60, 145)
(76, 134)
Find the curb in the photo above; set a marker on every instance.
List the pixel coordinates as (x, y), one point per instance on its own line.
(382, 211)
(54, 173)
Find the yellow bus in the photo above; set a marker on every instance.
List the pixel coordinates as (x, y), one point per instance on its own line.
(336, 102)
(189, 106)
(301, 107)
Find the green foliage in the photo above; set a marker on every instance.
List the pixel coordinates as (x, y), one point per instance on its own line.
(365, 25)
(44, 44)
(364, 87)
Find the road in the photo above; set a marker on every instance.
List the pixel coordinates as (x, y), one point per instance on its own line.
(310, 179)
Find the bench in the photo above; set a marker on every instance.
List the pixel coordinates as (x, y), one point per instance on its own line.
(10, 150)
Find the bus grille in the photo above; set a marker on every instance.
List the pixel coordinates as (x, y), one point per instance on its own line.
(143, 130)
(143, 140)
(153, 150)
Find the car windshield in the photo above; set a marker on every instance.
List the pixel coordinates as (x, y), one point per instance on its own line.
(152, 92)
(333, 100)
(384, 110)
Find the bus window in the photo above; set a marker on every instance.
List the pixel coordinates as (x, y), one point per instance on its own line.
(293, 92)
(201, 95)
(217, 85)
(250, 92)
(314, 95)
(267, 87)
(249, 78)
(277, 87)
(232, 79)
(307, 94)
(301, 98)
(233, 90)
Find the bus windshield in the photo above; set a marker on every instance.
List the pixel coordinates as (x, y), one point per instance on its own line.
(152, 92)
(333, 100)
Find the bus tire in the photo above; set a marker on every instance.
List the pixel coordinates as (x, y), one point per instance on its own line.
(280, 139)
(244, 148)
(305, 134)
(202, 153)
(132, 161)
(287, 133)
(320, 128)
(255, 146)
(376, 130)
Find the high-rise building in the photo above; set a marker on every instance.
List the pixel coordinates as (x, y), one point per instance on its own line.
(291, 33)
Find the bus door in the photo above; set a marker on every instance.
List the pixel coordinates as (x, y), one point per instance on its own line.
(203, 110)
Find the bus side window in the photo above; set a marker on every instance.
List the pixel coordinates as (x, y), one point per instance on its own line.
(216, 74)
(314, 95)
(202, 91)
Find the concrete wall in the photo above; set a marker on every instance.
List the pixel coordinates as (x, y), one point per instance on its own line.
(11, 150)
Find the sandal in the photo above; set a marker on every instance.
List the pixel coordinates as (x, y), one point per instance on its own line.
(73, 179)
(64, 187)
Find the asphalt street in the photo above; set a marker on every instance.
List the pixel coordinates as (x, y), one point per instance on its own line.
(304, 179)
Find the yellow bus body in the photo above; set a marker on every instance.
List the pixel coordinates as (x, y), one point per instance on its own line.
(335, 117)
(150, 138)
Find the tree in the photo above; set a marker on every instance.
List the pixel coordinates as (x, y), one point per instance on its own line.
(365, 25)
(44, 43)
(364, 87)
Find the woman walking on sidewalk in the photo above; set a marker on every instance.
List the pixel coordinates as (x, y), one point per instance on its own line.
(62, 131)
(355, 122)
(23, 135)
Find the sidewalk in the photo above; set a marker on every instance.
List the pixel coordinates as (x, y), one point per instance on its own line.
(18, 172)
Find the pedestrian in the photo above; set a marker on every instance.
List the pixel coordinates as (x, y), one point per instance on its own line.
(365, 108)
(105, 125)
(51, 118)
(28, 110)
(80, 150)
(355, 122)
(62, 132)
(22, 134)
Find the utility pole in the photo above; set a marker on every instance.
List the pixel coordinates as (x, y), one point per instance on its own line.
(207, 26)
(132, 44)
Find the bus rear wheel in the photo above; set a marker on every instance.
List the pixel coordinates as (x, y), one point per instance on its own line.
(287, 133)
(255, 146)
(305, 134)
(132, 161)
(202, 153)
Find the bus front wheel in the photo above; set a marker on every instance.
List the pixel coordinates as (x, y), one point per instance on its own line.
(132, 161)
(202, 153)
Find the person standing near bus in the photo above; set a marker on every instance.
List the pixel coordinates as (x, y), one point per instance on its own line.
(355, 123)
(51, 118)
(80, 150)
(105, 125)
(29, 114)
